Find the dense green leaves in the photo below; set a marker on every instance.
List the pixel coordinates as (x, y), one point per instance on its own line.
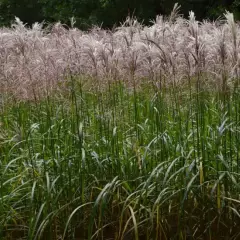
(81, 165)
(107, 12)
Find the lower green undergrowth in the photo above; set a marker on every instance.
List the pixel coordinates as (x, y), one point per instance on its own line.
(120, 163)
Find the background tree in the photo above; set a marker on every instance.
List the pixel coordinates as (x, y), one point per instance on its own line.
(108, 12)
(28, 11)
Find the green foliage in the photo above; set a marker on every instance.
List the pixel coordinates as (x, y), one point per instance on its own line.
(83, 11)
(235, 9)
(28, 11)
(145, 163)
(106, 12)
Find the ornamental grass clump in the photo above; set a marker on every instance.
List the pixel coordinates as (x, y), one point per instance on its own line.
(39, 58)
(126, 134)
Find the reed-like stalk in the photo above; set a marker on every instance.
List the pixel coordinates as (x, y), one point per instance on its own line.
(132, 134)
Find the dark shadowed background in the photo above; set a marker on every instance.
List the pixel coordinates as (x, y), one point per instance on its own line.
(108, 12)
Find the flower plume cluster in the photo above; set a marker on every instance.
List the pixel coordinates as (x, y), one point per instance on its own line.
(171, 49)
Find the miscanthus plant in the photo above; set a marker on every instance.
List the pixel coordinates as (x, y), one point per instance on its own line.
(173, 49)
(125, 134)
(119, 163)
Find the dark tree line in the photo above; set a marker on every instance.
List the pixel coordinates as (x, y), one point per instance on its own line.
(108, 12)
